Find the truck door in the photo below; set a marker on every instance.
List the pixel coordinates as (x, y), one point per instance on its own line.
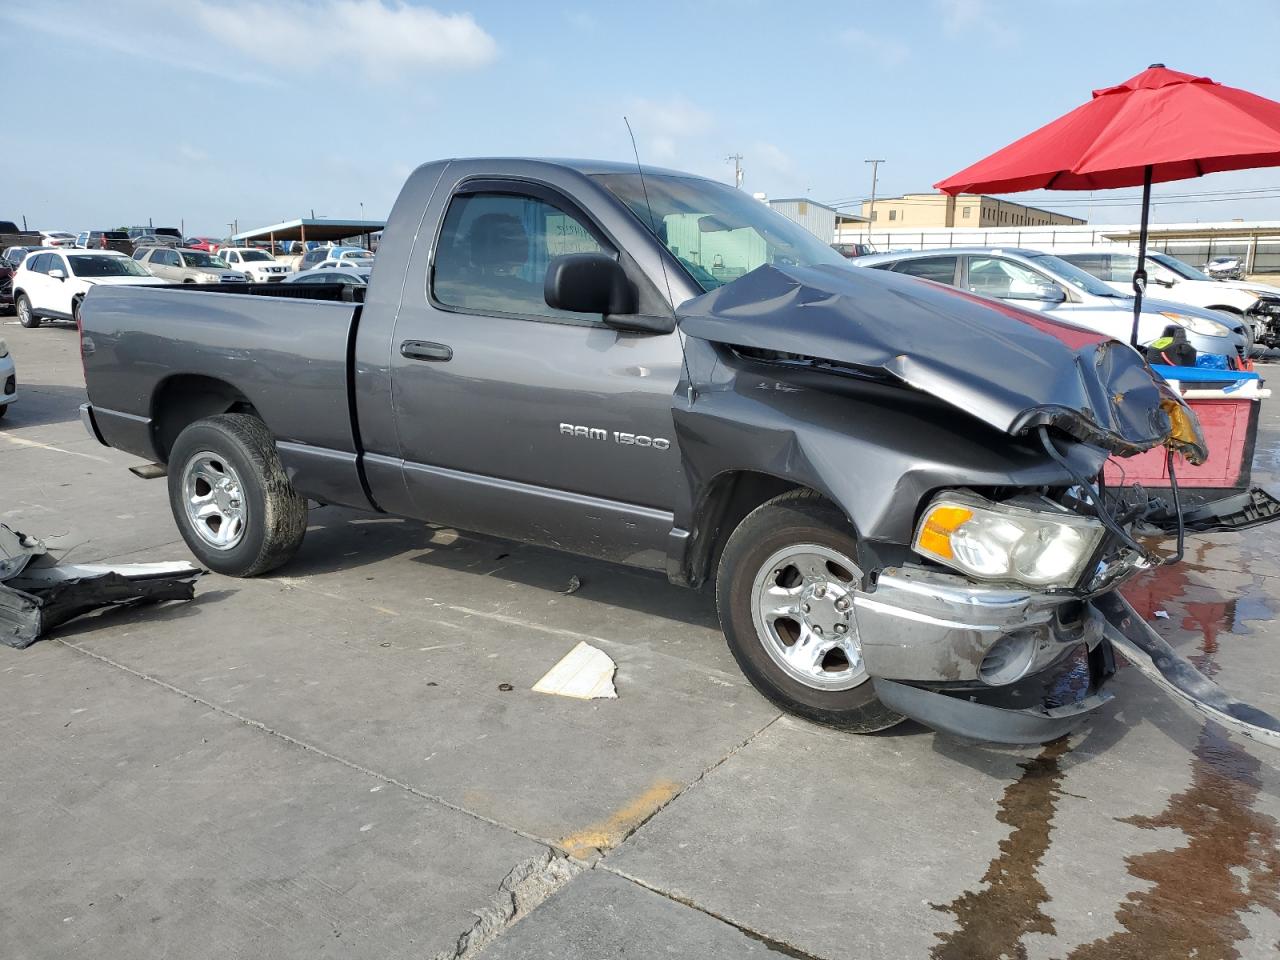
(524, 421)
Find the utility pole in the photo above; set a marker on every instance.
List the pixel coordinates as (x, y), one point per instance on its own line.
(736, 160)
(871, 211)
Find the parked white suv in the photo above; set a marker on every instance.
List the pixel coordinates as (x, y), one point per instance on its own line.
(187, 266)
(258, 264)
(51, 285)
(8, 379)
(1167, 278)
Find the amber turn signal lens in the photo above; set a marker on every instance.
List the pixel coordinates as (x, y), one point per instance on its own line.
(939, 524)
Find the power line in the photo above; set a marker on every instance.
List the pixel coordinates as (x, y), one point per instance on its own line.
(1207, 196)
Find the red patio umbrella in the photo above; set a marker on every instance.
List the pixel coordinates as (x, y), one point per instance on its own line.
(1160, 125)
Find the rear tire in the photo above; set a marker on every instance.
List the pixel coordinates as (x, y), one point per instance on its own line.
(26, 317)
(230, 496)
(797, 552)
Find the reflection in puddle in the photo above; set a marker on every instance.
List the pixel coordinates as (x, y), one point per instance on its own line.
(1229, 864)
(992, 920)
(1193, 896)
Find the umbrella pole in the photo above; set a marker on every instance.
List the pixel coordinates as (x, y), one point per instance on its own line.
(1140, 275)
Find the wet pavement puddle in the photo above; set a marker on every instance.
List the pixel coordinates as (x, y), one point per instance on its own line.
(1193, 895)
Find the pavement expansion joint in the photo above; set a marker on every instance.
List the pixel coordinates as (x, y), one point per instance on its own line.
(527, 886)
(771, 943)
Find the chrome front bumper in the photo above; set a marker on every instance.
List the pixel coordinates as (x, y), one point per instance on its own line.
(925, 626)
(925, 634)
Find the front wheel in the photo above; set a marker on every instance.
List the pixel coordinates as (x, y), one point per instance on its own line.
(785, 591)
(25, 315)
(230, 496)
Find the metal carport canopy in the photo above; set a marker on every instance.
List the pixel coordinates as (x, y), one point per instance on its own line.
(317, 229)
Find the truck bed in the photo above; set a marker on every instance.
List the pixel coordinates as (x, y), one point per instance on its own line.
(150, 353)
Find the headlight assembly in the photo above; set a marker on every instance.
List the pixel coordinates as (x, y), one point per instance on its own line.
(1201, 325)
(997, 541)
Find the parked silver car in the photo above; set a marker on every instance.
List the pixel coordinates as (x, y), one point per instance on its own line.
(1042, 281)
(181, 265)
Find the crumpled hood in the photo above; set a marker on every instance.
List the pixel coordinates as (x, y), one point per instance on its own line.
(1011, 368)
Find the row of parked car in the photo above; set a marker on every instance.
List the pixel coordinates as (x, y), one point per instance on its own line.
(1093, 289)
(43, 283)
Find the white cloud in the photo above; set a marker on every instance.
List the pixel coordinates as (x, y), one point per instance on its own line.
(193, 154)
(961, 16)
(261, 42)
(663, 128)
(884, 50)
(383, 38)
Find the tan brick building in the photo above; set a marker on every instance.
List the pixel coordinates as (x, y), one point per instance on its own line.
(926, 210)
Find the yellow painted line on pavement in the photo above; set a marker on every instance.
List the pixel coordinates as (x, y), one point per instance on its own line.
(611, 832)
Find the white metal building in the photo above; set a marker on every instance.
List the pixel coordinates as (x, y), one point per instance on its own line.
(822, 221)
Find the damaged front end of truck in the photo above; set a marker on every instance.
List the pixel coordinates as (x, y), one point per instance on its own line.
(964, 439)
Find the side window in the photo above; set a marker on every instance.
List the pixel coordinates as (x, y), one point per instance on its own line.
(941, 269)
(994, 277)
(1098, 264)
(169, 258)
(39, 263)
(494, 251)
(57, 263)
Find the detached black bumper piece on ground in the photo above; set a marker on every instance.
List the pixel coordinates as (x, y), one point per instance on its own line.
(37, 593)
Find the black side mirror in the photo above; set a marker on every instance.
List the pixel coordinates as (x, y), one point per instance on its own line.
(589, 283)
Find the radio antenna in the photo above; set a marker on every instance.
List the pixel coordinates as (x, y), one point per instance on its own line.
(653, 223)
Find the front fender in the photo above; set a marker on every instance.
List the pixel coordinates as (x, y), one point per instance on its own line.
(875, 449)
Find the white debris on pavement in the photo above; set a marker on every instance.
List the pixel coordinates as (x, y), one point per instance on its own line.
(585, 673)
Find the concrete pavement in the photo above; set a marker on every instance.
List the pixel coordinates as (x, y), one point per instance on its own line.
(327, 762)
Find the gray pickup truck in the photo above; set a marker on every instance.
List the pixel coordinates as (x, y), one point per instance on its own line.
(893, 486)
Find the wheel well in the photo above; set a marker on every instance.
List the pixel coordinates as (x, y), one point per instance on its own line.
(182, 400)
(726, 503)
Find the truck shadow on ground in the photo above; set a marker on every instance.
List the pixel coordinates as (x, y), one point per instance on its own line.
(40, 404)
(341, 539)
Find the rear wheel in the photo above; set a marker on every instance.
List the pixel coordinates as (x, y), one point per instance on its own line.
(26, 317)
(230, 496)
(785, 591)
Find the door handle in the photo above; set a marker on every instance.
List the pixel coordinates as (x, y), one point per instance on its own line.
(425, 350)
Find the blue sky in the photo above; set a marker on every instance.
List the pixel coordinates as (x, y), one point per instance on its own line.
(263, 110)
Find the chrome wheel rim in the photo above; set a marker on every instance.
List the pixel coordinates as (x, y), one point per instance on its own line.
(214, 500)
(24, 311)
(802, 603)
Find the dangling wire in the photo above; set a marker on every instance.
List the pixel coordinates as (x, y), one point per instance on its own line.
(1086, 488)
(1177, 508)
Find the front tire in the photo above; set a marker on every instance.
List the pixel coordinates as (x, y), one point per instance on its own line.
(784, 590)
(26, 317)
(230, 496)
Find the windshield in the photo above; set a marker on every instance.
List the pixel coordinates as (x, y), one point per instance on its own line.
(1180, 267)
(355, 255)
(104, 266)
(252, 256)
(718, 233)
(198, 258)
(1070, 273)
